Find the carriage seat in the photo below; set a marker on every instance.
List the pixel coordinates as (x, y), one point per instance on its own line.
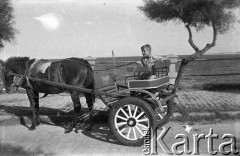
(160, 70)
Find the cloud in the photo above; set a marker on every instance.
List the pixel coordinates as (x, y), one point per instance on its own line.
(50, 21)
(88, 22)
(76, 1)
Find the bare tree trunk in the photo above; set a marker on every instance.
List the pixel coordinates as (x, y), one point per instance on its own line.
(198, 53)
(183, 64)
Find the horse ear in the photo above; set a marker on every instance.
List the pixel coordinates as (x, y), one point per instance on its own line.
(1, 62)
(26, 58)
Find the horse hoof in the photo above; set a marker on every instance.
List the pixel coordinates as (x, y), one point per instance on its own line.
(38, 123)
(31, 128)
(68, 130)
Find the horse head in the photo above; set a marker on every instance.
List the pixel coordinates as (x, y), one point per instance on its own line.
(15, 65)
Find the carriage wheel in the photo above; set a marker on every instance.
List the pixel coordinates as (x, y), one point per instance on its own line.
(165, 116)
(129, 118)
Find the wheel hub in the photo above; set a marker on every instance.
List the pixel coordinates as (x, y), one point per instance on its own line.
(131, 122)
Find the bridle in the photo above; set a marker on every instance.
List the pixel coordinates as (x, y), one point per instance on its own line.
(17, 81)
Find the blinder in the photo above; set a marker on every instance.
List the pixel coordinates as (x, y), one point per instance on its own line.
(16, 83)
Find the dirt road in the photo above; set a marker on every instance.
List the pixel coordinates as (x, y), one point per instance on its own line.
(47, 139)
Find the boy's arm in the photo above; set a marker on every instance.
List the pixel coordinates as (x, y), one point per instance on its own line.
(160, 58)
(157, 57)
(139, 63)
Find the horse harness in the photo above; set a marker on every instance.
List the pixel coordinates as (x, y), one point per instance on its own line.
(29, 69)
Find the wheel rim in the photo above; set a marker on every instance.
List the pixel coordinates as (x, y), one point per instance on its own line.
(164, 113)
(131, 122)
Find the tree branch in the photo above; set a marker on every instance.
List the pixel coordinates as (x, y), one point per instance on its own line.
(190, 40)
(208, 46)
(196, 55)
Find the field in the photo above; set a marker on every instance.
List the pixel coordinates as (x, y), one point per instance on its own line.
(223, 70)
(209, 69)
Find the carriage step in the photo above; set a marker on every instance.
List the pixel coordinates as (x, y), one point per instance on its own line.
(112, 101)
(112, 90)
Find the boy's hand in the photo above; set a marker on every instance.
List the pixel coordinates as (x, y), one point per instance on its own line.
(139, 63)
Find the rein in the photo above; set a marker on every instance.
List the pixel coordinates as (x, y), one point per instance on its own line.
(117, 66)
(105, 69)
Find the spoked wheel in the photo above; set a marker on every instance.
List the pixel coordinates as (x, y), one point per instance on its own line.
(164, 117)
(129, 118)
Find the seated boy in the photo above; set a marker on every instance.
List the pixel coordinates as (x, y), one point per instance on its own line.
(148, 61)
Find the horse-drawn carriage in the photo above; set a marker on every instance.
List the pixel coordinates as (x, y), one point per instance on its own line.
(141, 104)
(135, 106)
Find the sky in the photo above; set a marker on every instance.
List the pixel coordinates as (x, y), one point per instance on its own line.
(81, 28)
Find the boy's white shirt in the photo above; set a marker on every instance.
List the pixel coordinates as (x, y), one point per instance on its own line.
(153, 57)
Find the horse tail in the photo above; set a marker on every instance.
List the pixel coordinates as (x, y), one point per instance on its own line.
(91, 81)
(93, 95)
(91, 74)
(45, 95)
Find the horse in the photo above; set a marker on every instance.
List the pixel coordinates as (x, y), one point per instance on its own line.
(70, 71)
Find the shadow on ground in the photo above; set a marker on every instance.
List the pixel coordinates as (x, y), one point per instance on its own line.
(54, 117)
(11, 150)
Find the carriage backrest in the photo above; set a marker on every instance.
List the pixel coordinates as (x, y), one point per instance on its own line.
(161, 67)
(162, 64)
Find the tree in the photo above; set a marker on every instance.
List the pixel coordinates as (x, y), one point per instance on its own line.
(7, 30)
(196, 14)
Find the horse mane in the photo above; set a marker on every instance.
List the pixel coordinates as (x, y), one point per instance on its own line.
(11, 60)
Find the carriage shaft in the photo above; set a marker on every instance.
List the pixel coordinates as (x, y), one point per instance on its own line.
(67, 86)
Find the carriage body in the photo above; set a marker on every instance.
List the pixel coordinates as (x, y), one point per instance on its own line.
(151, 97)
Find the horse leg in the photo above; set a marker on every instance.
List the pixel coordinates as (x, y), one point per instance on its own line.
(33, 97)
(37, 110)
(90, 100)
(77, 109)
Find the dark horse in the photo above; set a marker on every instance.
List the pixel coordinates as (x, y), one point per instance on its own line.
(71, 71)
